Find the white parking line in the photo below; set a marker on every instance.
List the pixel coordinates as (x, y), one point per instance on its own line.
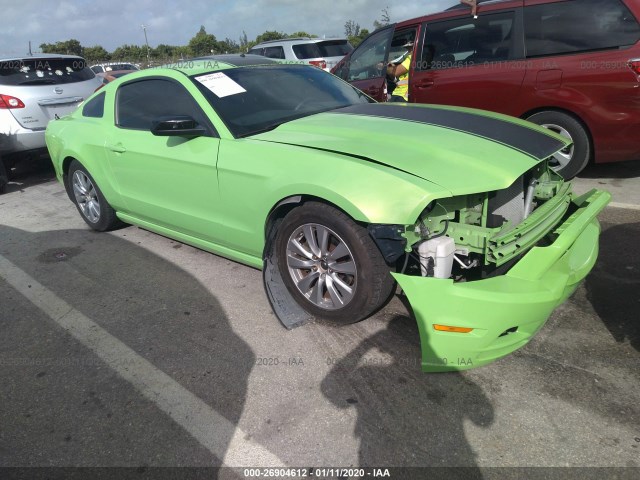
(628, 206)
(212, 430)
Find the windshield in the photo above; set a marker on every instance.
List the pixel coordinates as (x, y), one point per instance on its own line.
(44, 71)
(251, 100)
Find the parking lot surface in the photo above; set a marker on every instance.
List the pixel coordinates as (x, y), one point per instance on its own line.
(130, 349)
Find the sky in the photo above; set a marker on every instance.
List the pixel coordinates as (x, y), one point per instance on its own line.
(112, 23)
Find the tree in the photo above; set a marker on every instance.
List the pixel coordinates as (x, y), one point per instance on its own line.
(302, 34)
(133, 53)
(385, 19)
(95, 54)
(270, 35)
(203, 43)
(68, 47)
(351, 29)
(357, 40)
(244, 42)
(228, 46)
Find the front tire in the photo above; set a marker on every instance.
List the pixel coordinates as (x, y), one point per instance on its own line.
(330, 265)
(570, 161)
(93, 207)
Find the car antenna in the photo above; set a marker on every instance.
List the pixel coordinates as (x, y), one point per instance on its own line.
(474, 6)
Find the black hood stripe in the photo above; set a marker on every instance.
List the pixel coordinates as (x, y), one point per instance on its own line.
(529, 141)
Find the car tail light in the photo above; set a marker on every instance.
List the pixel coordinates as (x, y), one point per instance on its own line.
(635, 65)
(319, 63)
(9, 102)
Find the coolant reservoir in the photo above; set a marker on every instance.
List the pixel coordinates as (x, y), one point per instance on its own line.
(441, 249)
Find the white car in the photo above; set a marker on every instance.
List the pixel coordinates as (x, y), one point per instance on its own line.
(321, 52)
(34, 90)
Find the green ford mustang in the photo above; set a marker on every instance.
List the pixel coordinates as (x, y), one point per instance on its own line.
(337, 198)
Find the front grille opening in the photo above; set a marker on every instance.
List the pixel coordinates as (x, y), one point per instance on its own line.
(508, 331)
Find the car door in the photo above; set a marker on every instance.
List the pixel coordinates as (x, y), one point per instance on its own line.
(365, 67)
(168, 181)
(471, 62)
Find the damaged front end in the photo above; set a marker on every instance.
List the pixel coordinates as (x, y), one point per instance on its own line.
(483, 272)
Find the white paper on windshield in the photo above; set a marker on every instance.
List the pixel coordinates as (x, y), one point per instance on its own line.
(220, 84)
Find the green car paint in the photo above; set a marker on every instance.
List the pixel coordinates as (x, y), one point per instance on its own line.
(218, 192)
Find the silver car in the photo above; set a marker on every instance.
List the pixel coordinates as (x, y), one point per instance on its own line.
(321, 52)
(34, 90)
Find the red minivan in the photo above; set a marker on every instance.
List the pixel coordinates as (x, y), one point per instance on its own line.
(570, 65)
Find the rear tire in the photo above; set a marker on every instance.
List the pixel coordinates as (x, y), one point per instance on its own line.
(571, 161)
(93, 207)
(330, 265)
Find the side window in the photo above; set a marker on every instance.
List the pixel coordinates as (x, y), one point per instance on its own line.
(139, 103)
(274, 52)
(466, 41)
(255, 51)
(370, 58)
(578, 26)
(94, 107)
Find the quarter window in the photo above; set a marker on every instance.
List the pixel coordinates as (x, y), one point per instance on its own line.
(465, 42)
(578, 26)
(94, 107)
(139, 103)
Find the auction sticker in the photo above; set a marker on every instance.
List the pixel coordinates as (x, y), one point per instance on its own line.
(220, 84)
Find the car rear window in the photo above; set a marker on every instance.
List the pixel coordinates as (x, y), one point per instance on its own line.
(334, 48)
(44, 71)
(307, 50)
(94, 107)
(560, 28)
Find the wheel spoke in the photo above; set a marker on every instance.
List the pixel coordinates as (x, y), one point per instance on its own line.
(333, 293)
(317, 294)
(340, 251)
(296, 262)
(298, 248)
(342, 287)
(323, 236)
(348, 268)
(309, 234)
(305, 284)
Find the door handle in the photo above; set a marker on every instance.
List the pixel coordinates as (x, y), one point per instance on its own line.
(117, 148)
(425, 84)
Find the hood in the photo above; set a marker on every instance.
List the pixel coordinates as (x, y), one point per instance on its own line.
(462, 150)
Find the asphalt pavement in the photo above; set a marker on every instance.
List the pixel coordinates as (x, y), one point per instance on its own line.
(130, 349)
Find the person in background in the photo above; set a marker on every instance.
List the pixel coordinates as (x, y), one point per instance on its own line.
(400, 70)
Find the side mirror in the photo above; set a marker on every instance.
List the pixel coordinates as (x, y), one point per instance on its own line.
(178, 126)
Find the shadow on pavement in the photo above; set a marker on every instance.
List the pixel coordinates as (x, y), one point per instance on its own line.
(613, 287)
(395, 402)
(61, 404)
(30, 172)
(612, 170)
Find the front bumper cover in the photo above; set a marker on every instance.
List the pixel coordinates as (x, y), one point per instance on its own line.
(504, 311)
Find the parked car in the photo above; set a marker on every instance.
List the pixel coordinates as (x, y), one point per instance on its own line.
(572, 66)
(289, 169)
(34, 90)
(323, 53)
(111, 75)
(114, 66)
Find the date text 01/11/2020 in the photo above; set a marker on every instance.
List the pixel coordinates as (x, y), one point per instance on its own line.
(318, 472)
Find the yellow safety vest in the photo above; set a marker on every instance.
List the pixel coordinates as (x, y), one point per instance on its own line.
(402, 89)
